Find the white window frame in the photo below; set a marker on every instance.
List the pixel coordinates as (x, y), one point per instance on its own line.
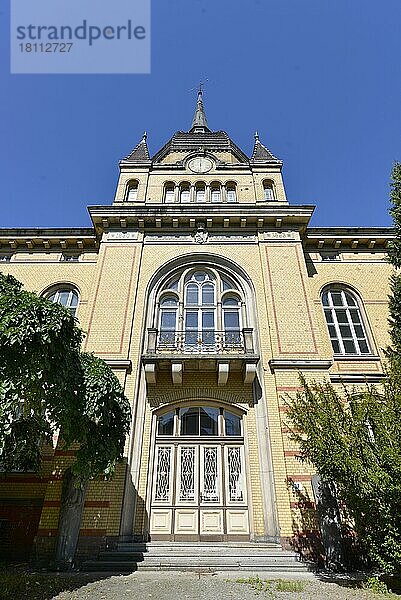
(347, 308)
(71, 291)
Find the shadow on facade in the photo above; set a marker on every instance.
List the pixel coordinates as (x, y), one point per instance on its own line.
(322, 531)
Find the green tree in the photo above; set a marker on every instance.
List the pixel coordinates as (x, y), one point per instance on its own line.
(354, 438)
(46, 385)
(394, 257)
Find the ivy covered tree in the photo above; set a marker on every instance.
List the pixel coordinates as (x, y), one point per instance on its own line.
(353, 438)
(48, 385)
(394, 257)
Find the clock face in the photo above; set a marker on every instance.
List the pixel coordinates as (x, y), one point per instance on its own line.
(200, 164)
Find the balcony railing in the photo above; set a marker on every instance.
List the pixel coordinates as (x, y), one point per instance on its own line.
(206, 342)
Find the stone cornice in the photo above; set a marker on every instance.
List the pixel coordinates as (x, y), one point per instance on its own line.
(67, 238)
(335, 238)
(163, 216)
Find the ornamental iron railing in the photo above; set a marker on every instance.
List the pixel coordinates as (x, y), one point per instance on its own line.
(204, 342)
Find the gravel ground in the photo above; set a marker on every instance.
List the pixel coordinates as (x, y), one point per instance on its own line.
(222, 586)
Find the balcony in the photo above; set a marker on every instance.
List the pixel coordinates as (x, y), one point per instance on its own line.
(221, 351)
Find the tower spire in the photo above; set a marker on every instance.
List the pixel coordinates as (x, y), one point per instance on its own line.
(199, 122)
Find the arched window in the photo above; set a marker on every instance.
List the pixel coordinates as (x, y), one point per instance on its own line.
(201, 310)
(200, 192)
(169, 192)
(168, 319)
(268, 190)
(231, 192)
(185, 193)
(203, 421)
(215, 191)
(344, 321)
(231, 320)
(66, 296)
(132, 191)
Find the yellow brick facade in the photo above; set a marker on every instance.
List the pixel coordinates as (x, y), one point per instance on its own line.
(279, 266)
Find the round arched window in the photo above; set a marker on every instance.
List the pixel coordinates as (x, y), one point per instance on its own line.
(67, 297)
(201, 311)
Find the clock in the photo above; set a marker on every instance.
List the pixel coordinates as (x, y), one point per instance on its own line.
(200, 164)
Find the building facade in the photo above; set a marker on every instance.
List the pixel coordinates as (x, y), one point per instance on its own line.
(207, 293)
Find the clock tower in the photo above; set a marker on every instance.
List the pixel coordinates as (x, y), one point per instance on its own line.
(200, 167)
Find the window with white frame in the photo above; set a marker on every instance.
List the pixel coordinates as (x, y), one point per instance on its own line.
(200, 191)
(67, 297)
(132, 191)
(169, 193)
(200, 308)
(231, 192)
(268, 190)
(203, 421)
(344, 321)
(215, 192)
(185, 193)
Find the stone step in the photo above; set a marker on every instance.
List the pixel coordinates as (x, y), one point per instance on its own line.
(208, 558)
(196, 557)
(129, 567)
(203, 544)
(204, 552)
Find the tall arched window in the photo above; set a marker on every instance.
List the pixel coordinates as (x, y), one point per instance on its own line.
(201, 310)
(132, 191)
(268, 190)
(231, 192)
(344, 321)
(231, 319)
(185, 193)
(200, 192)
(168, 319)
(169, 192)
(66, 296)
(215, 191)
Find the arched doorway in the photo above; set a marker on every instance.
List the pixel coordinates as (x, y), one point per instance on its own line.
(199, 489)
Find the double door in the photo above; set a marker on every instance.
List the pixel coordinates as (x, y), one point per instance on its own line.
(199, 492)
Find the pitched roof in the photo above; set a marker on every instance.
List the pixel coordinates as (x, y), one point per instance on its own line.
(140, 154)
(261, 154)
(214, 141)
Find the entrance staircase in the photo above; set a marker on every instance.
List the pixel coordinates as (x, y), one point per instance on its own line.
(205, 557)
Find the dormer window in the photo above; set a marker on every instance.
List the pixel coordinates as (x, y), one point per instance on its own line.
(132, 193)
(268, 191)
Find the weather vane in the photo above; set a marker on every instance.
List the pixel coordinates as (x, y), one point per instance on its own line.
(200, 86)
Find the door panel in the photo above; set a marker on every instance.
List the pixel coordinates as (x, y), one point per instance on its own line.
(237, 521)
(187, 475)
(186, 521)
(199, 490)
(160, 521)
(210, 475)
(211, 521)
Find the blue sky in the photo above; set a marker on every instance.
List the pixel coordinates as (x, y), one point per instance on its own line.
(319, 79)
